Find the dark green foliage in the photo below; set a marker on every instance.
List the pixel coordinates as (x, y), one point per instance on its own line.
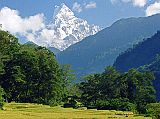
(153, 110)
(128, 91)
(68, 78)
(1, 64)
(95, 52)
(145, 56)
(30, 73)
(8, 46)
(90, 91)
(72, 101)
(116, 104)
(141, 54)
(155, 68)
(1, 98)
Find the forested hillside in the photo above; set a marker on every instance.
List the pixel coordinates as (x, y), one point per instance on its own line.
(143, 55)
(155, 68)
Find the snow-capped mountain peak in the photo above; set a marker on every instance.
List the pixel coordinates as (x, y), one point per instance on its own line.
(62, 12)
(66, 29)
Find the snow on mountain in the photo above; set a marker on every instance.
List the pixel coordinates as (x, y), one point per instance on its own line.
(65, 30)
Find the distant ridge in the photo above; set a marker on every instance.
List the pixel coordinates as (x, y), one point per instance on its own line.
(141, 54)
(100, 50)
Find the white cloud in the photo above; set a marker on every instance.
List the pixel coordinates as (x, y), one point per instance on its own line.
(14, 23)
(91, 5)
(32, 28)
(28, 27)
(77, 7)
(138, 3)
(153, 9)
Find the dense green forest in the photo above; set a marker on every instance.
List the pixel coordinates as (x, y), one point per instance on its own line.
(31, 74)
(113, 90)
(155, 68)
(144, 55)
(141, 54)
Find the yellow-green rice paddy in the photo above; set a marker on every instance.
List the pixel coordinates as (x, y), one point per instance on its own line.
(35, 111)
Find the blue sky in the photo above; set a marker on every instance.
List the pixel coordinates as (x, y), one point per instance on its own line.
(105, 12)
(29, 18)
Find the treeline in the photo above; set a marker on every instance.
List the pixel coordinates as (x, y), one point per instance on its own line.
(30, 73)
(112, 90)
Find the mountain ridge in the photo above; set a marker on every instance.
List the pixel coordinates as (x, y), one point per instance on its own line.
(95, 52)
(141, 54)
(54, 50)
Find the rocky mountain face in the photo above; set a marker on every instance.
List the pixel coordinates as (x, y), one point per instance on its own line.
(66, 29)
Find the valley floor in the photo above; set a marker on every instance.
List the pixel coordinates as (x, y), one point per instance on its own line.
(35, 111)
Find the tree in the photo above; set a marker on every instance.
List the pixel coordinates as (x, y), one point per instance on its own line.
(68, 78)
(90, 89)
(119, 91)
(31, 73)
(1, 65)
(108, 83)
(8, 46)
(50, 81)
(145, 91)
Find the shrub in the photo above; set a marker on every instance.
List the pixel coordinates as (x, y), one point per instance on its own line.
(153, 110)
(116, 104)
(72, 103)
(103, 104)
(1, 98)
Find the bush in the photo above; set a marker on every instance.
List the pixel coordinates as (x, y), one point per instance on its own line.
(72, 103)
(1, 98)
(116, 104)
(153, 110)
(103, 104)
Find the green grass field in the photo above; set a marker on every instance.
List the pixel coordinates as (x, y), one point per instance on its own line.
(35, 111)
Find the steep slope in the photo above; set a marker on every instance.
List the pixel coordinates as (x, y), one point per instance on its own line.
(54, 50)
(141, 54)
(155, 68)
(65, 29)
(31, 43)
(97, 51)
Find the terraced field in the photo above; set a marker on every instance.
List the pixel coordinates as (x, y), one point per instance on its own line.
(35, 111)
